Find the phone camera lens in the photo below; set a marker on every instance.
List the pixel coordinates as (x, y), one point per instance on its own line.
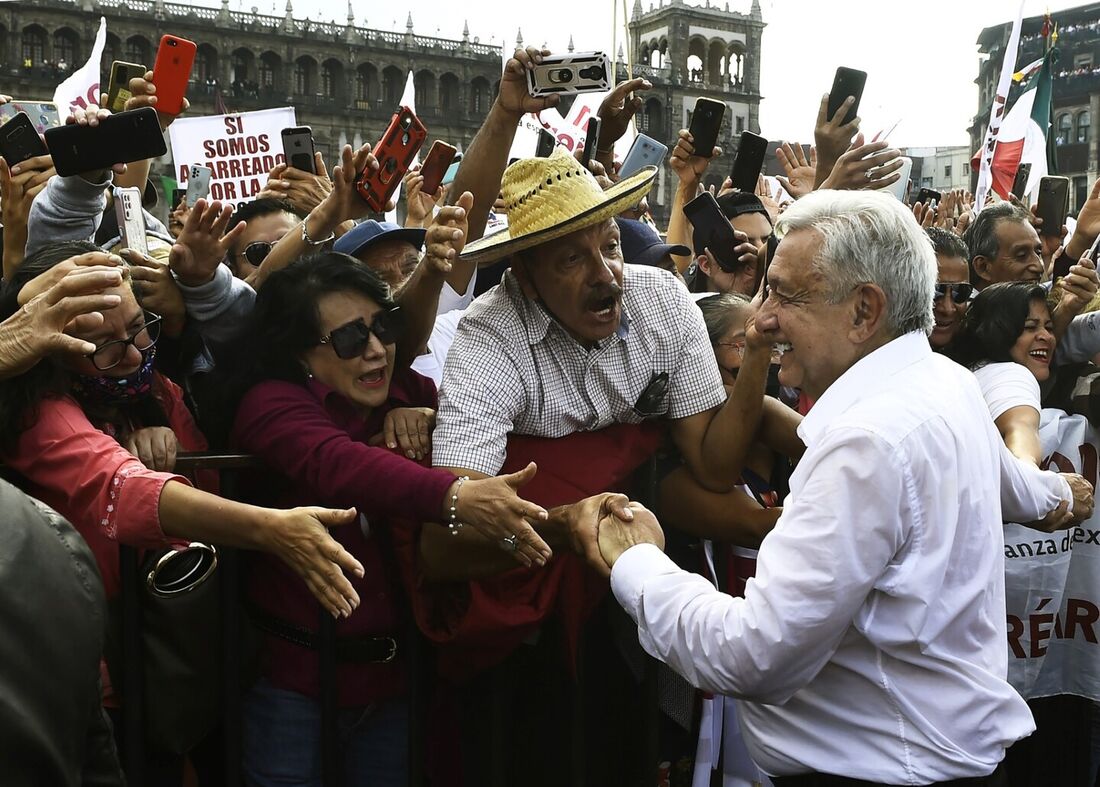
(406, 121)
(592, 72)
(561, 75)
(171, 42)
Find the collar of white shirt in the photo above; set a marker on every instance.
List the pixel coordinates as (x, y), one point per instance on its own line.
(864, 378)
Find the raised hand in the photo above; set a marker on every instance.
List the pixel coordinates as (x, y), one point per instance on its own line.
(801, 171)
(865, 166)
(343, 203)
(72, 301)
(203, 244)
(157, 291)
(446, 236)
(832, 136)
(303, 190)
(616, 110)
(513, 97)
(1079, 287)
(91, 117)
(17, 192)
(494, 508)
(689, 168)
(419, 205)
(764, 192)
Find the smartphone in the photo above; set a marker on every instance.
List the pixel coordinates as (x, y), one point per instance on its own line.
(178, 196)
(298, 148)
(198, 183)
(118, 89)
(749, 161)
(706, 122)
(591, 140)
(846, 82)
(762, 270)
(644, 152)
(928, 196)
(583, 72)
(395, 153)
(19, 140)
(119, 139)
(900, 187)
(452, 170)
(712, 230)
(435, 166)
(1019, 183)
(131, 220)
(42, 114)
(171, 72)
(1053, 204)
(545, 144)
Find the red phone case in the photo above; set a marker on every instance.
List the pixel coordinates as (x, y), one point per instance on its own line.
(395, 152)
(435, 166)
(171, 71)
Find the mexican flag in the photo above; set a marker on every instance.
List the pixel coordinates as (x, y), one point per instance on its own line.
(1023, 135)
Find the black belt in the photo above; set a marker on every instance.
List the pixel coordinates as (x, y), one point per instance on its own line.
(355, 650)
(994, 779)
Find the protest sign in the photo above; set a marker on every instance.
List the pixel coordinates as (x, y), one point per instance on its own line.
(1052, 581)
(240, 149)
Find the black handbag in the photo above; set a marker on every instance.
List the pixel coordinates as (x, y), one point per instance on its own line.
(164, 649)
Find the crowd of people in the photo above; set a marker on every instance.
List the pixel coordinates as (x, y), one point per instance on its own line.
(450, 426)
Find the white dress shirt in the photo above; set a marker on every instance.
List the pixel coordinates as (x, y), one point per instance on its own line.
(872, 642)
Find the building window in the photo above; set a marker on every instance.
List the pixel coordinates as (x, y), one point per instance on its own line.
(966, 169)
(740, 124)
(64, 48)
(1064, 124)
(926, 183)
(34, 47)
(947, 171)
(267, 73)
(1083, 120)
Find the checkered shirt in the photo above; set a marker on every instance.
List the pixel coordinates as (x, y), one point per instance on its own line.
(514, 369)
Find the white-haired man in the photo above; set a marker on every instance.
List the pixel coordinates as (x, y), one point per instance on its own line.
(870, 647)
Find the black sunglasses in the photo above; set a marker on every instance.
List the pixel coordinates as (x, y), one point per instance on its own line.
(257, 252)
(350, 340)
(960, 292)
(109, 355)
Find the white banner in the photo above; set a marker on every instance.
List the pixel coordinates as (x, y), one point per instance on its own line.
(240, 149)
(569, 131)
(1052, 581)
(81, 90)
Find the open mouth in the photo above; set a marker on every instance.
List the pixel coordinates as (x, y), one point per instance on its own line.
(372, 379)
(1042, 356)
(782, 347)
(603, 308)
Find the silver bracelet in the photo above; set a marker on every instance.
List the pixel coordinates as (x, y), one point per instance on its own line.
(454, 525)
(310, 242)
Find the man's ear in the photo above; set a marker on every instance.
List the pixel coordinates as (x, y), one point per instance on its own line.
(523, 276)
(703, 263)
(983, 268)
(869, 312)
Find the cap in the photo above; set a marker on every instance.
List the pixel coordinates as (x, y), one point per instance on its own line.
(370, 232)
(642, 245)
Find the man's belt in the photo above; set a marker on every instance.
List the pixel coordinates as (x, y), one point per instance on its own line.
(352, 650)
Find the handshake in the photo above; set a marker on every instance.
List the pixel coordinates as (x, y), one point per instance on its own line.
(601, 528)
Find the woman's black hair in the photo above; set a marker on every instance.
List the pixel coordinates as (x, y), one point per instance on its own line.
(993, 322)
(719, 313)
(285, 322)
(20, 396)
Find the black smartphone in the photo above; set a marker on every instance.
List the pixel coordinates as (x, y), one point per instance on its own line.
(712, 230)
(178, 196)
(1053, 204)
(927, 196)
(762, 270)
(591, 140)
(546, 144)
(706, 122)
(119, 139)
(846, 82)
(298, 148)
(1019, 183)
(749, 161)
(19, 140)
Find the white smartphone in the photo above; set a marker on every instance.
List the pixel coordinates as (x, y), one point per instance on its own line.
(900, 187)
(198, 183)
(131, 220)
(644, 152)
(582, 72)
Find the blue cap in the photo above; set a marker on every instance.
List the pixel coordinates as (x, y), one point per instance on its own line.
(370, 232)
(642, 245)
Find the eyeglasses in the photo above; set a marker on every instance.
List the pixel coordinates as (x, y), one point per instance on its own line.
(739, 347)
(350, 340)
(109, 355)
(960, 291)
(257, 252)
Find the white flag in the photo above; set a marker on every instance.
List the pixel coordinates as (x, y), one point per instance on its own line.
(81, 90)
(408, 99)
(997, 112)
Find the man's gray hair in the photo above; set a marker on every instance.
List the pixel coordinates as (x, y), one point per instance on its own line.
(870, 238)
(981, 235)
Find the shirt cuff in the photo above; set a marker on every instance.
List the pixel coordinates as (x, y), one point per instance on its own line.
(212, 291)
(631, 571)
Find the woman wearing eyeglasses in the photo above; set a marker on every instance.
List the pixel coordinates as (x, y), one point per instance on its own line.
(95, 434)
(320, 356)
(953, 288)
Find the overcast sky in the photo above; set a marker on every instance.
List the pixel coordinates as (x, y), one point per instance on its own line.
(921, 57)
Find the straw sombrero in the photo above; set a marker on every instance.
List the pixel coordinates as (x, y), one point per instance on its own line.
(548, 198)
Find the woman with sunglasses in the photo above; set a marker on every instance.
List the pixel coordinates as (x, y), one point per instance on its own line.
(95, 434)
(320, 380)
(953, 290)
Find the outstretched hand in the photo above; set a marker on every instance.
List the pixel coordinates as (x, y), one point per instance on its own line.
(617, 535)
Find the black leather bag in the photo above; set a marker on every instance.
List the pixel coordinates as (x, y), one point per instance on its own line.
(165, 646)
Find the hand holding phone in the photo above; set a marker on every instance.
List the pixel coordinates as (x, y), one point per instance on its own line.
(119, 139)
(118, 89)
(583, 72)
(591, 140)
(847, 83)
(131, 219)
(712, 230)
(299, 148)
(749, 162)
(198, 183)
(439, 158)
(395, 153)
(19, 140)
(172, 71)
(545, 145)
(1053, 204)
(644, 152)
(706, 122)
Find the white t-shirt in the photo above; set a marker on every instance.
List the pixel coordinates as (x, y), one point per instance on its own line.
(1007, 385)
